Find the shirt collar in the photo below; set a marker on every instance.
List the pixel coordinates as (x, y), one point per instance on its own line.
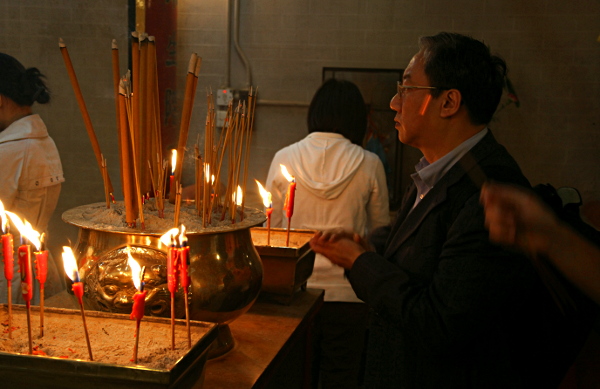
(427, 175)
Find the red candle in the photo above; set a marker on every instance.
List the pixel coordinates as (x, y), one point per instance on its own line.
(8, 251)
(172, 274)
(288, 205)
(269, 212)
(184, 263)
(7, 246)
(77, 289)
(70, 266)
(289, 200)
(139, 299)
(24, 255)
(41, 267)
(268, 203)
(139, 305)
(172, 267)
(41, 271)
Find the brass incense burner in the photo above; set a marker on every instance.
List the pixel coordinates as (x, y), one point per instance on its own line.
(225, 270)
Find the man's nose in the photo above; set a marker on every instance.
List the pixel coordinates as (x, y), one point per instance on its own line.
(396, 103)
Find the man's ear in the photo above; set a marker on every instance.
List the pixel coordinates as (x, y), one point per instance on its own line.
(451, 102)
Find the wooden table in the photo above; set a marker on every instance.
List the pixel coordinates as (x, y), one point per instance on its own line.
(273, 346)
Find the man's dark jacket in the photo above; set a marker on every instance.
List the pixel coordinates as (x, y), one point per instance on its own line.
(452, 310)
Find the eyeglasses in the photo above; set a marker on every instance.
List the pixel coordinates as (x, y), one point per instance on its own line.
(402, 88)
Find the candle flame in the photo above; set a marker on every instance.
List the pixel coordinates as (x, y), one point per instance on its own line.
(70, 264)
(3, 217)
(167, 238)
(266, 195)
(25, 229)
(173, 160)
(136, 270)
(287, 175)
(237, 196)
(182, 238)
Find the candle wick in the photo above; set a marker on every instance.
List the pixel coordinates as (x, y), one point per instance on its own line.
(142, 283)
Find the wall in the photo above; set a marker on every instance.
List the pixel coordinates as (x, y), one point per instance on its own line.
(550, 46)
(30, 32)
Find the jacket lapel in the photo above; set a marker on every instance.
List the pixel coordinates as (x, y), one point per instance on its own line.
(405, 227)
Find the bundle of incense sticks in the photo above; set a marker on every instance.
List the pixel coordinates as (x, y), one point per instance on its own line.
(131, 190)
(234, 144)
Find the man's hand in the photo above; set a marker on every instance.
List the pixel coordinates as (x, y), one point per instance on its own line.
(340, 247)
(518, 218)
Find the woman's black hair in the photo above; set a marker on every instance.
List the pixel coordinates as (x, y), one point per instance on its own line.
(23, 86)
(338, 107)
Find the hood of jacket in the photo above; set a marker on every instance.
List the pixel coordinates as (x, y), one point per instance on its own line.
(30, 126)
(325, 163)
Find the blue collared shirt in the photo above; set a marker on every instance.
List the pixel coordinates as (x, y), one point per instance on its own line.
(427, 175)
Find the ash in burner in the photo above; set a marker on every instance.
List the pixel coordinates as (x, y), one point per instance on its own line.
(97, 216)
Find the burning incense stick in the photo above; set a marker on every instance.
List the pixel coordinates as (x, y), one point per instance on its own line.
(105, 178)
(83, 108)
(177, 204)
(197, 178)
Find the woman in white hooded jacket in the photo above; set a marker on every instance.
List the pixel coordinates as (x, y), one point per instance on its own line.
(338, 185)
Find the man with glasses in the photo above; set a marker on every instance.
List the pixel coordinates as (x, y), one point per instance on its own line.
(451, 309)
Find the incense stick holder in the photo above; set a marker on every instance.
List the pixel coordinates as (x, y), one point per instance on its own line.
(286, 268)
(62, 356)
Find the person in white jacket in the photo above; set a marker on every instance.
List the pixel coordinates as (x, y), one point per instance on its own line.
(31, 172)
(338, 185)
